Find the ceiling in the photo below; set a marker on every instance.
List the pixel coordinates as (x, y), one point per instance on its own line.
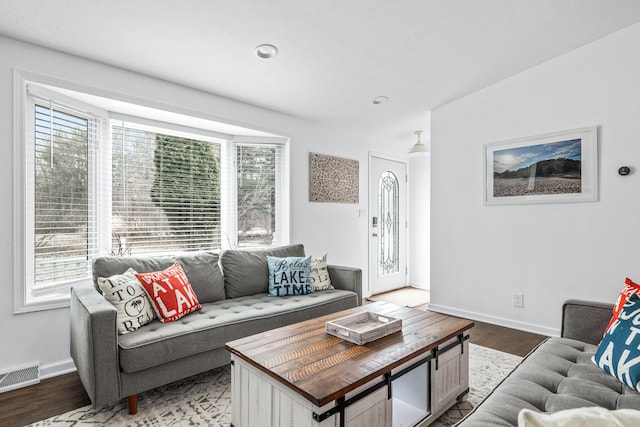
(335, 56)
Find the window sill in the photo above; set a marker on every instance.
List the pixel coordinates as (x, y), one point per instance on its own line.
(49, 299)
(42, 303)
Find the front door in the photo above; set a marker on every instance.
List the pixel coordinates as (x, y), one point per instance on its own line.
(387, 224)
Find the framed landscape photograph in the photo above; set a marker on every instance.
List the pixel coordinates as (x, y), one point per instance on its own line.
(552, 168)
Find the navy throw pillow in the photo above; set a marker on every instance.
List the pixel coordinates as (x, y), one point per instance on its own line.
(619, 351)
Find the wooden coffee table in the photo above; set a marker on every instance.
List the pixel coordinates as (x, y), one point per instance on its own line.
(300, 376)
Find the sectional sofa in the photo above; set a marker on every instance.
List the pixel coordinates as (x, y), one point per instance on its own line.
(559, 375)
(232, 289)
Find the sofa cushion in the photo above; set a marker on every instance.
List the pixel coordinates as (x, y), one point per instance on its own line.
(127, 295)
(223, 321)
(289, 276)
(171, 293)
(557, 375)
(319, 274)
(619, 352)
(246, 271)
(630, 288)
(201, 268)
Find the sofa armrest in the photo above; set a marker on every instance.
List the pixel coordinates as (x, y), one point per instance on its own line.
(585, 320)
(94, 344)
(346, 278)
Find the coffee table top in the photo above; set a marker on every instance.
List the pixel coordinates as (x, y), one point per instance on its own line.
(322, 367)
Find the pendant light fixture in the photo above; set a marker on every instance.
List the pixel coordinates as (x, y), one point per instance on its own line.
(419, 149)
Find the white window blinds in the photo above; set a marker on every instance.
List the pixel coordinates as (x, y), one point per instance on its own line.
(259, 186)
(96, 183)
(165, 192)
(64, 231)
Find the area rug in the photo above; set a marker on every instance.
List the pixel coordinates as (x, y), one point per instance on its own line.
(205, 399)
(487, 367)
(404, 297)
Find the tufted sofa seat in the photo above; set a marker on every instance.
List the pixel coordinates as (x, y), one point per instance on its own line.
(558, 374)
(232, 289)
(222, 321)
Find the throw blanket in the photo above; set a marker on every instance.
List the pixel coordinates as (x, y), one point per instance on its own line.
(580, 417)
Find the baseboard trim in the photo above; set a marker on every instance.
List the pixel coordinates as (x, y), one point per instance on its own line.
(58, 368)
(419, 285)
(501, 321)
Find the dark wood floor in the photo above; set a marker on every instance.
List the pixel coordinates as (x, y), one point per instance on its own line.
(63, 393)
(500, 338)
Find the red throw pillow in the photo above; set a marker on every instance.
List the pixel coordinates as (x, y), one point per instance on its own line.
(170, 292)
(630, 287)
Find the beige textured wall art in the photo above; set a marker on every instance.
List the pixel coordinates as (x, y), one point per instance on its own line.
(333, 179)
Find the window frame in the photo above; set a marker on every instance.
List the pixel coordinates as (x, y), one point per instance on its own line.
(281, 233)
(28, 299)
(34, 100)
(27, 93)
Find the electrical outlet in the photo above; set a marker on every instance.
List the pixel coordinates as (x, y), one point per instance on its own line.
(518, 300)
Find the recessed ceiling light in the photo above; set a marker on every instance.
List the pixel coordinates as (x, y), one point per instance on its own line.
(380, 100)
(266, 51)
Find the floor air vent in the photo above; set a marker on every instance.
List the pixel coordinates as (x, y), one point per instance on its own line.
(21, 377)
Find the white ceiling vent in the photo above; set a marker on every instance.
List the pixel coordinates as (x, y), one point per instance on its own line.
(20, 377)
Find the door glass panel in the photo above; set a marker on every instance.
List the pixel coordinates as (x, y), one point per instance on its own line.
(388, 242)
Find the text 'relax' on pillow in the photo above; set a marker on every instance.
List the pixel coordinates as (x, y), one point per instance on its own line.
(319, 274)
(619, 351)
(130, 300)
(630, 288)
(170, 292)
(289, 276)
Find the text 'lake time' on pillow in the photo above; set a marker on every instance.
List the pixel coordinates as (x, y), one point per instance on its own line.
(170, 292)
(289, 276)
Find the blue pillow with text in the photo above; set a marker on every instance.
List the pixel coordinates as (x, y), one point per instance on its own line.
(289, 276)
(619, 351)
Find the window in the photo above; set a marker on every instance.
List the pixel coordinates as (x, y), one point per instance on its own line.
(61, 222)
(389, 246)
(106, 183)
(257, 193)
(165, 192)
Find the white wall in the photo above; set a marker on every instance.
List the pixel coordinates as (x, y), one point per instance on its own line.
(481, 254)
(337, 229)
(419, 218)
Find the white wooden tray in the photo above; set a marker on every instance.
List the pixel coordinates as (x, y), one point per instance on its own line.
(364, 327)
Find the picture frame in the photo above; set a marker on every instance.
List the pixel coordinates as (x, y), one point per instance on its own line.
(557, 167)
(333, 179)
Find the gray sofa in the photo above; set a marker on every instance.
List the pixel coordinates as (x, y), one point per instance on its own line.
(233, 293)
(558, 374)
